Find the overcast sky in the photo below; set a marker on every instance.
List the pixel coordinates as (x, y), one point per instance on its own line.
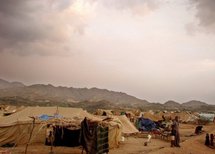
(156, 50)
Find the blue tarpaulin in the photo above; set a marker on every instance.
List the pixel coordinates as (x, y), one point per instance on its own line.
(146, 124)
(45, 117)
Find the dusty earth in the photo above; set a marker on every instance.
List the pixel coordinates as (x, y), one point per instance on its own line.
(191, 144)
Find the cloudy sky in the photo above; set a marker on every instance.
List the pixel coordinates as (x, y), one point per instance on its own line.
(156, 50)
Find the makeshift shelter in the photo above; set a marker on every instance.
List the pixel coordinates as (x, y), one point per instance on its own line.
(17, 127)
(127, 126)
(145, 124)
(207, 116)
(94, 137)
(103, 112)
(150, 115)
(191, 119)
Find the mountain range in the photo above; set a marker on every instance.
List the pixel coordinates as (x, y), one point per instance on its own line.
(16, 93)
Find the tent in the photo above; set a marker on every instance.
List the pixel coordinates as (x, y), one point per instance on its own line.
(207, 116)
(127, 126)
(103, 112)
(123, 122)
(150, 115)
(16, 128)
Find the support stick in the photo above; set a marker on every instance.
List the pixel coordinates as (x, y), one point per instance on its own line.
(26, 148)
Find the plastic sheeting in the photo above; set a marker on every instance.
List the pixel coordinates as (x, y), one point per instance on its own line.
(207, 116)
(146, 124)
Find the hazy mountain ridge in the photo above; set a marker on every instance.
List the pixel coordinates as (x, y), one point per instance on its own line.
(194, 103)
(17, 93)
(69, 95)
(172, 103)
(190, 105)
(5, 84)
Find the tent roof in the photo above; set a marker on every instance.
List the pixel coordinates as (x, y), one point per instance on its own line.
(127, 126)
(100, 112)
(25, 114)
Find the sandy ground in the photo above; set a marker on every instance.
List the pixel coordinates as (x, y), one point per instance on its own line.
(189, 144)
(135, 145)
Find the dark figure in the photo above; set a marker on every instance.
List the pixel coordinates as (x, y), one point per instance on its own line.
(104, 113)
(163, 117)
(177, 135)
(173, 133)
(212, 139)
(198, 130)
(207, 140)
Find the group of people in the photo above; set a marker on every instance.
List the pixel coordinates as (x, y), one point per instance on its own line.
(209, 140)
(175, 136)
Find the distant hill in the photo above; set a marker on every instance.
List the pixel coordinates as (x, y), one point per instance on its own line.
(172, 105)
(49, 94)
(16, 93)
(5, 84)
(194, 103)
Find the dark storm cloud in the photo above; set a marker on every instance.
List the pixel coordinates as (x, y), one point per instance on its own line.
(205, 13)
(16, 21)
(14, 8)
(46, 27)
(33, 27)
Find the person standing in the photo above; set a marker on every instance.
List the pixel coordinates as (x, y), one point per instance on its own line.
(177, 134)
(173, 133)
(212, 139)
(207, 140)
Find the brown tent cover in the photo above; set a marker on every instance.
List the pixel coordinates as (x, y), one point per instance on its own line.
(16, 128)
(127, 126)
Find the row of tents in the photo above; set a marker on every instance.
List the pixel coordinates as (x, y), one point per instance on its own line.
(29, 125)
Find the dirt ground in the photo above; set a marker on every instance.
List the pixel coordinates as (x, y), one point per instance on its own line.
(190, 144)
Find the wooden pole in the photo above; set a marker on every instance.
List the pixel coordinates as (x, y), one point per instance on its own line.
(26, 148)
(51, 152)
